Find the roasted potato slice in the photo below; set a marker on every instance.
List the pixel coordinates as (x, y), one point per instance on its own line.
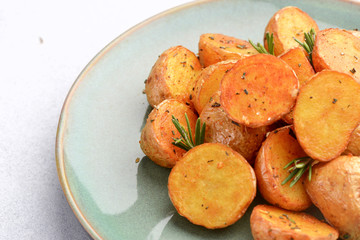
(209, 82)
(285, 25)
(221, 129)
(280, 148)
(338, 50)
(215, 47)
(212, 185)
(335, 189)
(269, 223)
(258, 90)
(159, 131)
(326, 113)
(173, 76)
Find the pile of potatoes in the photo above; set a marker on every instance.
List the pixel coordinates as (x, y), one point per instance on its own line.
(261, 112)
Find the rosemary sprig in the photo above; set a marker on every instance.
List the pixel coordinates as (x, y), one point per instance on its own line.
(298, 167)
(270, 43)
(309, 43)
(186, 141)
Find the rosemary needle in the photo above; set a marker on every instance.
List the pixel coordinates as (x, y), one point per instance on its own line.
(186, 141)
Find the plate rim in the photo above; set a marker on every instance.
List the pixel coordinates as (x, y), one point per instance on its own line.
(59, 147)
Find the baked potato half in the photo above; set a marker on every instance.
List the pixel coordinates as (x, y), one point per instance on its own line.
(280, 148)
(157, 135)
(269, 223)
(173, 76)
(285, 25)
(216, 47)
(221, 129)
(212, 185)
(335, 189)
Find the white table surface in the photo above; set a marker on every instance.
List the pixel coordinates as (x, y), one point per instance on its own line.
(44, 45)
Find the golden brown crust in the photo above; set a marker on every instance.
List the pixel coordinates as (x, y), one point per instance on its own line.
(338, 50)
(212, 185)
(269, 223)
(173, 76)
(221, 129)
(326, 113)
(159, 131)
(248, 92)
(215, 47)
(287, 23)
(280, 148)
(209, 82)
(334, 189)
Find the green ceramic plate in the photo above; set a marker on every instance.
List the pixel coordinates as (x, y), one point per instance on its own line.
(99, 130)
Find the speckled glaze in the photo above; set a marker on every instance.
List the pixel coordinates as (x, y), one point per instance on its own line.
(97, 144)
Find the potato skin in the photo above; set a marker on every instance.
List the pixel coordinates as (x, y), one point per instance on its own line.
(339, 50)
(215, 47)
(156, 136)
(173, 76)
(221, 129)
(335, 189)
(279, 148)
(212, 185)
(269, 223)
(287, 23)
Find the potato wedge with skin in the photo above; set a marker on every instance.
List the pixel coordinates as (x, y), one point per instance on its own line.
(280, 148)
(298, 61)
(338, 50)
(335, 189)
(258, 90)
(173, 76)
(269, 223)
(215, 47)
(159, 131)
(326, 113)
(212, 185)
(221, 129)
(354, 143)
(209, 82)
(285, 25)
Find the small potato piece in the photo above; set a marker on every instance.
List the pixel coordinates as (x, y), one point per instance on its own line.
(338, 50)
(212, 185)
(326, 113)
(297, 60)
(335, 189)
(280, 148)
(209, 82)
(287, 23)
(221, 129)
(354, 143)
(258, 90)
(159, 131)
(214, 47)
(269, 223)
(173, 76)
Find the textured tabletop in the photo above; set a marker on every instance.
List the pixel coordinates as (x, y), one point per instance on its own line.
(43, 47)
